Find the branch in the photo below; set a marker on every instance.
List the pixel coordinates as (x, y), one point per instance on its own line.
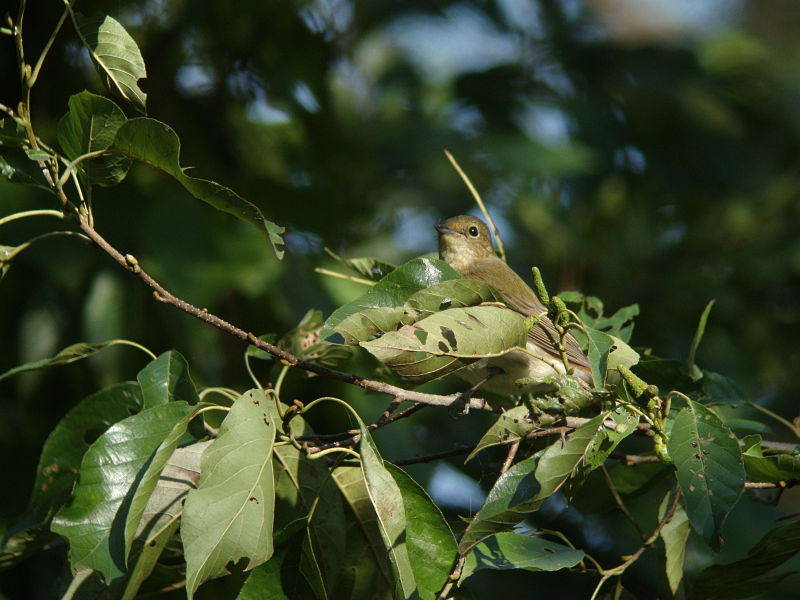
(160, 293)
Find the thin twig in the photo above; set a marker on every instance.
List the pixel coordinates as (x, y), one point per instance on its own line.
(162, 295)
(479, 201)
(512, 452)
(458, 451)
(620, 504)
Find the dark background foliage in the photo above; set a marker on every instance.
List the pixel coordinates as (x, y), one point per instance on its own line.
(633, 151)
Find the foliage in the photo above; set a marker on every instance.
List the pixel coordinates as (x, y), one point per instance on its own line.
(163, 484)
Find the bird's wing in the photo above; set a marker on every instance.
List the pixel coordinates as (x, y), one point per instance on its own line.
(544, 333)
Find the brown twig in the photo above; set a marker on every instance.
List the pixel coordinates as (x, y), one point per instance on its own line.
(458, 451)
(162, 295)
(620, 504)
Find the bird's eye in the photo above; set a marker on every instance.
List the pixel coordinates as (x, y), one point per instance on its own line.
(473, 231)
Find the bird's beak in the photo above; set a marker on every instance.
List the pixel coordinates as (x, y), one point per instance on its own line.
(443, 229)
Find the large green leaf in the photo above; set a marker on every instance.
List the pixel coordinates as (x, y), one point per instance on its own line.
(116, 56)
(505, 551)
(59, 462)
(391, 292)
(513, 425)
(747, 578)
(773, 465)
(389, 505)
(156, 144)
(674, 533)
(431, 544)
(166, 379)
(453, 293)
(710, 470)
(230, 515)
(366, 559)
(94, 522)
(303, 487)
(90, 126)
(440, 343)
(163, 506)
(66, 356)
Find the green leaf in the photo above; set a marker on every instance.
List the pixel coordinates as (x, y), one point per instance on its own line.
(710, 470)
(369, 562)
(94, 522)
(590, 311)
(453, 293)
(506, 551)
(391, 292)
(369, 267)
(431, 544)
(288, 575)
(116, 56)
(388, 503)
(674, 533)
(230, 514)
(156, 144)
(146, 561)
(16, 167)
(66, 356)
(302, 486)
(526, 485)
(304, 342)
(165, 503)
(514, 424)
(721, 390)
(12, 133)
(166, 379)
(68, 442)
(605, 352)
(90, 126)
(774, 466)
(694, 372)
(438, 344)
(748, 577)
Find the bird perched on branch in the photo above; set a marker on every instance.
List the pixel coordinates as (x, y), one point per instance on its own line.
(466, 245)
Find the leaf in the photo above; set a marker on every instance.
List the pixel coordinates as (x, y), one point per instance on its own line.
(694, 371)
(71, 438)
(453, 293)
(590, 311)
(721, 390)
(116, 56)
(369, 267)
(16, 167)
(66, 356)
(431, 544)
(505, 551)
(230, 514)
(774, 467)
(303, 485)
(432, 347)
(93, 522)
(136, 526)
(710, 470)
(391, 292)
(156, 144)
(514, 424)
(748, 577)
(146, 561)
(12, 133)
(90, 126)
(388, 503)
(371, 558)
(526, 485)
(304, 342)
(166, 379)
(674, 533)
(605, 352)
(289, 574)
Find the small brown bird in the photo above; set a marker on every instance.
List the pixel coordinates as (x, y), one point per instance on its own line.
(466, 245)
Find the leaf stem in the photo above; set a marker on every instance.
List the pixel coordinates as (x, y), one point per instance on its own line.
(31, 213)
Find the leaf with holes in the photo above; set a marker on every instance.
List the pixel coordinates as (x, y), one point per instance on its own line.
(230, 515)
(711, 473)
(94, 521)
(448, 340)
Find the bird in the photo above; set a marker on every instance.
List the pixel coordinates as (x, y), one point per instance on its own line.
(466, 245)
